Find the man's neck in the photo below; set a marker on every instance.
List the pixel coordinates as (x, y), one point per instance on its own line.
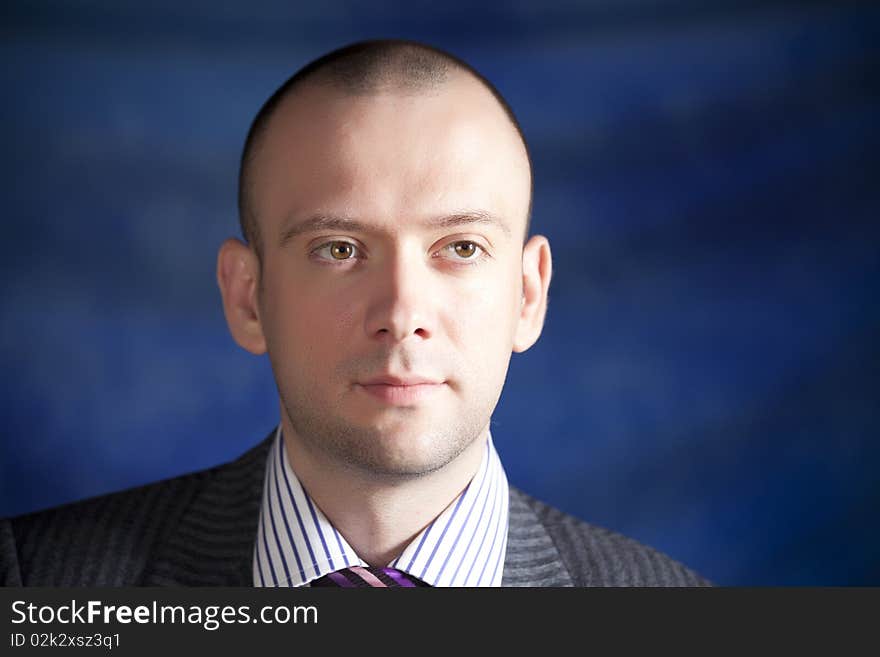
(379, 516)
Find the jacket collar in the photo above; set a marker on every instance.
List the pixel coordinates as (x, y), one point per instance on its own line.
(212, 543)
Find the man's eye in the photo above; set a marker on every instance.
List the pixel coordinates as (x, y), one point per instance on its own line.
(464, 250)
(337, 251)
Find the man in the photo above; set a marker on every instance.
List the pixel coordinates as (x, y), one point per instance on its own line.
(385, 194)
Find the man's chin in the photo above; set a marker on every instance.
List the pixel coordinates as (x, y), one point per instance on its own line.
(402, 455)
(401, 452)
(402, 443)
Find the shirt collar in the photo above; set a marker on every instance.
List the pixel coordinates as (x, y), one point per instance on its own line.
(464, 546)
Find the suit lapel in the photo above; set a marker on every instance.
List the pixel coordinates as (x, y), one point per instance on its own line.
(532, 558)
(213, 543)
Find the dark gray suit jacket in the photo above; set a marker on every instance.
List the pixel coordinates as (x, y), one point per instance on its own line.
(199, 530)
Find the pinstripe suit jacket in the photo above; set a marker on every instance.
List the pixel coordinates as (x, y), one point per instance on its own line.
(199, 530)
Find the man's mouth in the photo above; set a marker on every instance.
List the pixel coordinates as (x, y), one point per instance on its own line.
(401, 390)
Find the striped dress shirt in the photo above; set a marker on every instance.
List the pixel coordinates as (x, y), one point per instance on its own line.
(464, 546)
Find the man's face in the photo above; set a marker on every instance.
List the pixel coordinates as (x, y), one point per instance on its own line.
(392, 233)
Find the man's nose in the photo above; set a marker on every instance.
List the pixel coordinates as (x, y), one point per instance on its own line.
(401, 300)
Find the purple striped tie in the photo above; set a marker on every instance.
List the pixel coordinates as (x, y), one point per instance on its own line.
(358, 576)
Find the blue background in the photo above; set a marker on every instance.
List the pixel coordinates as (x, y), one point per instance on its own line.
(707, 381)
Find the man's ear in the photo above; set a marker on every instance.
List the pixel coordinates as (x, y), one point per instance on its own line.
(238, 275)
(537, 268)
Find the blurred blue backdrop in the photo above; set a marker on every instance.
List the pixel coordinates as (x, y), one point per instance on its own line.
(707, 174)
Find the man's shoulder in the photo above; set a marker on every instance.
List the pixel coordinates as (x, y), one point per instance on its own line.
(109, 540)
(64, 545)
(594, 555)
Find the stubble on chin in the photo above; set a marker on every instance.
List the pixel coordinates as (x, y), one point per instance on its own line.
(403, 443)
(389, 451)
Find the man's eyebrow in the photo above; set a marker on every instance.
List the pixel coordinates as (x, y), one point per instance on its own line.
(469, 217)
(322, 222)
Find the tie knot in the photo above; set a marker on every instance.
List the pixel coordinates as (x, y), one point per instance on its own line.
(366, 577)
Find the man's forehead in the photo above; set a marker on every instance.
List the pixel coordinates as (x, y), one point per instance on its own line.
(329, 154)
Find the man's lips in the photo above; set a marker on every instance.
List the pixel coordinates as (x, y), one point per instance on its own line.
(401, 391)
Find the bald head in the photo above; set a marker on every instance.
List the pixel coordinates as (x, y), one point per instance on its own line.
(362, 69)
